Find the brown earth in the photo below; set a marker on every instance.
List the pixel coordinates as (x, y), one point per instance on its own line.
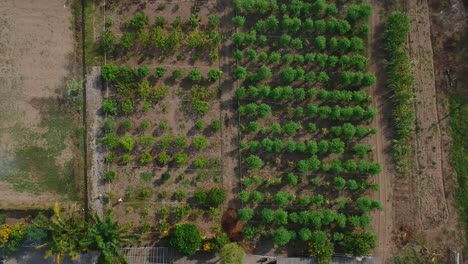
(420, 209)
(382, 220)
(36, 58)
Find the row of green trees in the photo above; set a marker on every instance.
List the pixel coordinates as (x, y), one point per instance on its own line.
(189, 34)
(400, 81)
(287, 93)
(320, 60)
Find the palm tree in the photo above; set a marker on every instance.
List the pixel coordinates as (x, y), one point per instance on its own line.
(66, 235)
(107, 236)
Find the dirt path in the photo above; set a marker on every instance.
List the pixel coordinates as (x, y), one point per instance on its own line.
(96, 153)
(431, 206)
(229, 120)
(383, 221)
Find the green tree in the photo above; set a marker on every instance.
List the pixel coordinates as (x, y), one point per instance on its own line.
(195, 75)
(186, 239)
(214, 74)
(238, 21)
(359, 243)
(245, 214)
(282, 236)
(200, 142)
(107, 236)
(107, 42)
(216, 196)
(254, 162)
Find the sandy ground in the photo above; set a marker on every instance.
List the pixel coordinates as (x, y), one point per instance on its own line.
(382, 222)
(431, 203)
(36, 43)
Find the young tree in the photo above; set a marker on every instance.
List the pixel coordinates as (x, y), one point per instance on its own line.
(282, 236)
(359, 243)
(231, 253)
(214, 74)
(195, 75)
(215, 197)
(186, 239)
(254, 162)
(245, 214)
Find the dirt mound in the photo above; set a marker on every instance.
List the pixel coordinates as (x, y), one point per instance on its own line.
(232, 225)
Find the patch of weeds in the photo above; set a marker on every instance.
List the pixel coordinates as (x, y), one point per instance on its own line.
(458, 128)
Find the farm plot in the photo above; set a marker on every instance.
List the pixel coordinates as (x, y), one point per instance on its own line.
(305, 114)
(163, 113)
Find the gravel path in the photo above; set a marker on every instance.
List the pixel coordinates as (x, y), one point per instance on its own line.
(96, 155)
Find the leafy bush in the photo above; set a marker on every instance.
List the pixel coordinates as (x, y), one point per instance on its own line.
(186, 239)
(109, 106)
(146, 158)
(159, 72)
(195, 75)
(109, 175)
(245, 214)
(215, 196)
(254, 162)
(200, 142)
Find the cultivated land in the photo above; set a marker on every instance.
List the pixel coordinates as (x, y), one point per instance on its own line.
(39, 162)
(295, 130)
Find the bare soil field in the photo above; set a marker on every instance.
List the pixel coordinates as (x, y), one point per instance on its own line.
(423, 203)
(37, 155)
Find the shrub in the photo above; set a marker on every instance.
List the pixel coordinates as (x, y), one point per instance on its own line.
(109, 106)
(12, 237)
(127, 142)
(214, 75)
(109, 72)
(146, 158)
(254, 162)
(359, 243)
(195, 75)
(186, 239)
(200, 142)
(199, 162)
(110, 175)
(282, 236)
(200, 197)
(231, 253)
(181, 158)
(240, 73)
(107, 42)
(163, 158)
(216, 196)
(245, 214)
(238, 21)
(215, 125)
(127, 158)
(200, 125)
(177, 74)
(159, 72)
(165, 176)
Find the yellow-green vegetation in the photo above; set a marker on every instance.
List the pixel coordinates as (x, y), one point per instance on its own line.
(459, 132)
(35, 168)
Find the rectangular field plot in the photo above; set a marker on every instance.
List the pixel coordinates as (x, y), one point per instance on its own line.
(305, 110)
(163, 129)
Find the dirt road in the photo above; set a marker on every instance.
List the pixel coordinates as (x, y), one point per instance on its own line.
(382, 221)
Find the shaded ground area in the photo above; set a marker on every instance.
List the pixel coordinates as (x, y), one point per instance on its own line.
(37, 154)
